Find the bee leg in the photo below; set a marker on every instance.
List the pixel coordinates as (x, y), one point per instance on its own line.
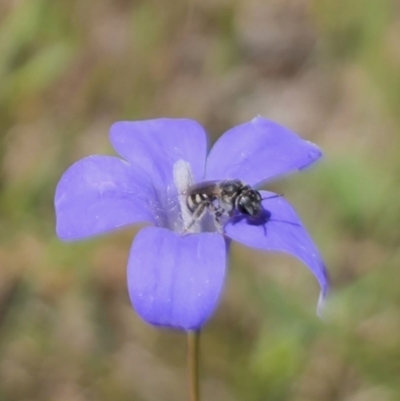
(196, 216)
(217, 213)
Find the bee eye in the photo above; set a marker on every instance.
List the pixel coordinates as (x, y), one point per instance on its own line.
(245, 205)
(242, 208)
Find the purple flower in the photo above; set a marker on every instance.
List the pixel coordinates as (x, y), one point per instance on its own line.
(175, 277)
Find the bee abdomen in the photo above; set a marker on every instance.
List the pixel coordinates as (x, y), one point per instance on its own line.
(194, 200)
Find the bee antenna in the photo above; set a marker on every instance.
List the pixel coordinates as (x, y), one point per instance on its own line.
(273, 196)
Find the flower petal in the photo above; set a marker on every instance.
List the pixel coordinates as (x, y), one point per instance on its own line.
(156, 145)
(176, 280)
(281, 230)
(101, 193)
(257, 151)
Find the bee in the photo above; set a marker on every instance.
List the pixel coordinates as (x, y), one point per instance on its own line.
(222, 198)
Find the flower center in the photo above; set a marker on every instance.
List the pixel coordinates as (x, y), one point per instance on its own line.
(183, 179)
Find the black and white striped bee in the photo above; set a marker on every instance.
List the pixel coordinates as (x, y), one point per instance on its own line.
(222, 198)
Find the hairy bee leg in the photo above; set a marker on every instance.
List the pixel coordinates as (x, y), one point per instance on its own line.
(197, 215)
(218, 225)
(217, 213)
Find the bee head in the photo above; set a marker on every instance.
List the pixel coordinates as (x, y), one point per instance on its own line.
(249, 202)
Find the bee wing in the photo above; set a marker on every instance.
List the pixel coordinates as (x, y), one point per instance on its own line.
(205, 187)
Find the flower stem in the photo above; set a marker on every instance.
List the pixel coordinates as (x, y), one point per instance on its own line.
(193, 341)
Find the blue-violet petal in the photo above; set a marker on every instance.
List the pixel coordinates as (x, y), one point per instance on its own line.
(156, 145)
(257, 151)
(176, 280)
(280, 229)
(101, 193)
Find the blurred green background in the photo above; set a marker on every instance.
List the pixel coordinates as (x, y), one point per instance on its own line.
(330, 70)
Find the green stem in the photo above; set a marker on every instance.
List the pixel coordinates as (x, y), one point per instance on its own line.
(193, 339)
